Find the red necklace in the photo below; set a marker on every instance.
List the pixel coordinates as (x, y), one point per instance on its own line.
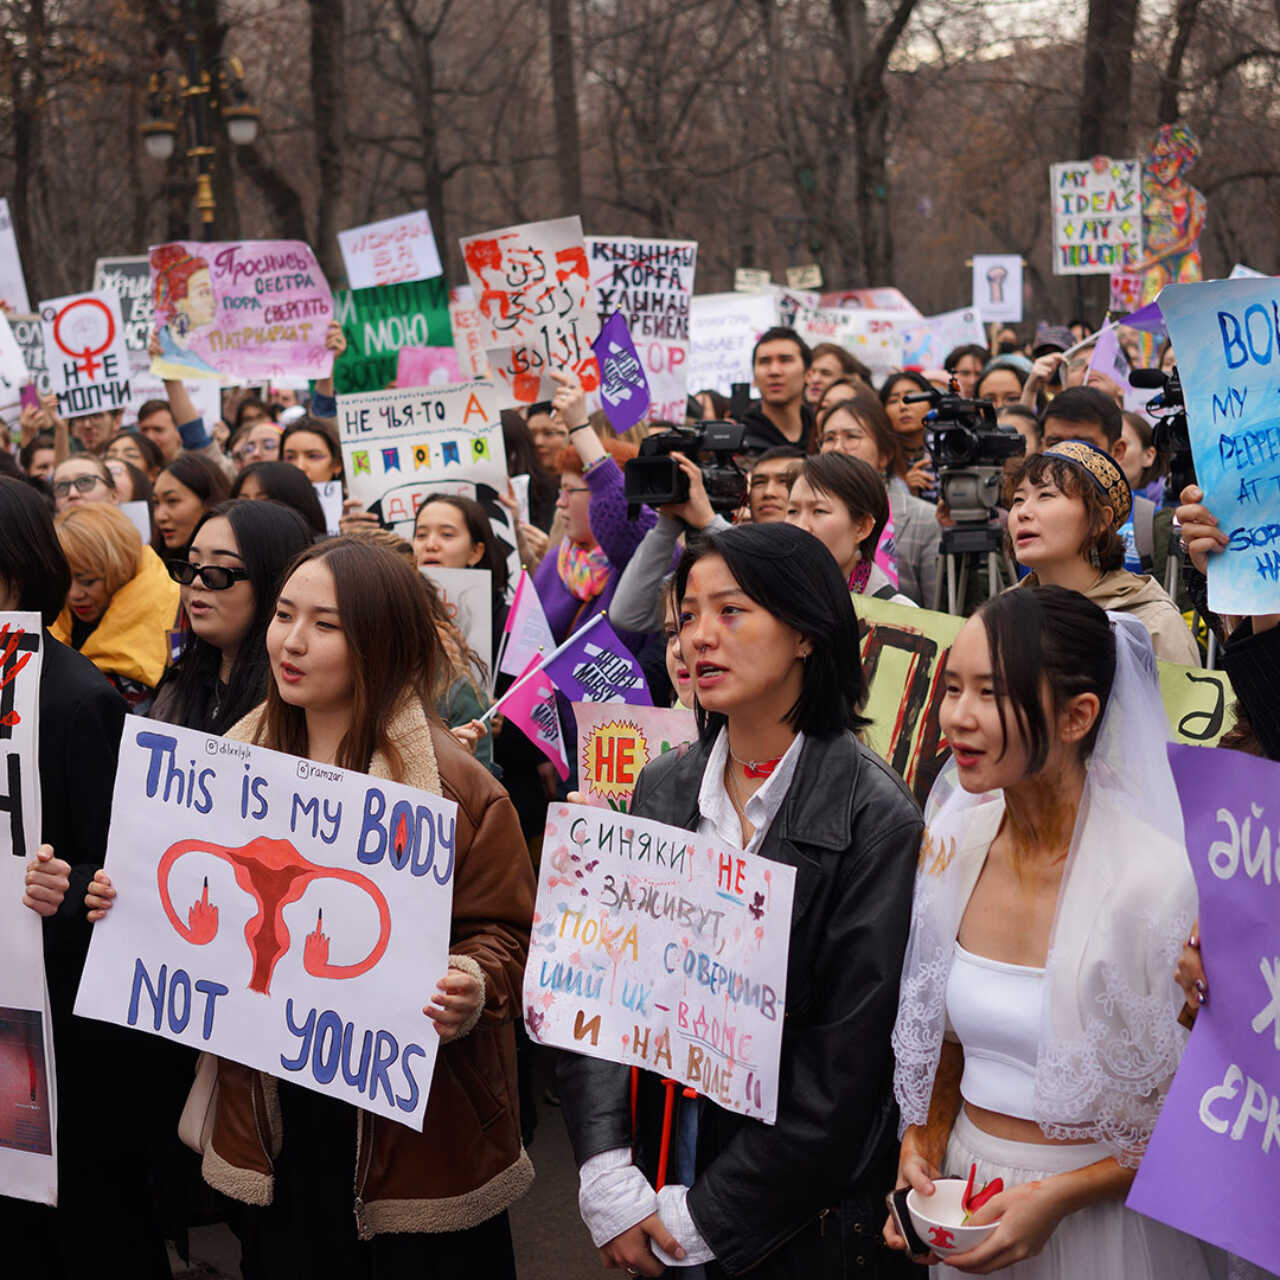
(757, 768)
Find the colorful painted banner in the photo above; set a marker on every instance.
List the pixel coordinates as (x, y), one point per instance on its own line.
(1097, 216)
(875, 337)
(467, 596)
(240, 311)
(593, 665)
(533, 294)
(904, 652)
(1213, 1154)
(378, 322)
(997, 287)
(13, 286)
(28, 332)
(129, 278)
(28, 1094)
(468, 338)
(723, 328)
(615, 744)
(398, 447)
(290, 916)
(927, 342)
(661, 949)
(1227, 335)
(393, 251)
(624, 390)
(85, 352)
(428, 367)
(650, 282)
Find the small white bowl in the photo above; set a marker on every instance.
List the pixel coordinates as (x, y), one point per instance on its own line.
(936, 1218)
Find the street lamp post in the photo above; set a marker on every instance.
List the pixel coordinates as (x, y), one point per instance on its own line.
(195, 96)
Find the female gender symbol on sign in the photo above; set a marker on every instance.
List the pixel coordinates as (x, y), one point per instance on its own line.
(83, 325)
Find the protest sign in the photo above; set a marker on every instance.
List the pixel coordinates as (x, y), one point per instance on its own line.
(1241, 272)
(378, 322)
(392, 251)
(808, 276)
(997, 287)
(875, 337)
(13, 368)
(468, 338)
(28, 1101)
(751, 280)
(624, 390)
(723, 327)
(329, 493)
(1097, 215)
(85, 353)
(28, 332)
(428, 367)
(290, 916)
(1215, 1146)
(533, 296)
(904, 652)
(240, 311)
(1226, 335)
(139, 514)
(880, 299)
(398, 447)
(1126, 292)
(467, 596)
(615, 744)
(661, 949)
(129, 279)
(650, 282)
(13, 287)
(928, 341)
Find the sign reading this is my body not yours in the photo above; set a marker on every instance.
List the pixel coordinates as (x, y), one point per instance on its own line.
(290, 916)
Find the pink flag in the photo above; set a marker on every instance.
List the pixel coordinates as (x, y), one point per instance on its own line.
(531, 707)
(528, 636)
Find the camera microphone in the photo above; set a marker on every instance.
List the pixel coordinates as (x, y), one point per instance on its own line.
(1149, 378)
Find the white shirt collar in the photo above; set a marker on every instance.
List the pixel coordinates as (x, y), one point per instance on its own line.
(719, 818)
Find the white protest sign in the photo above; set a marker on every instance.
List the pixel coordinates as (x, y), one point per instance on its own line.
(467, 595)
(468, 337)
(13, 368)
(290, 916)
(392, 251)
(875, 337)
(662, 949)
(997, 286)
(139, 514)
(1097, 215)
(28, 1101)
(13, 287)
(926, 342)
(808, 276)
(723, 328)
(751, 279)
(651, 283)
(86, 353)
(329, 492)
(28, 333)
(129, 278)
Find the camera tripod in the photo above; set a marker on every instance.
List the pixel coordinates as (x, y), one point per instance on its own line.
(962, 551)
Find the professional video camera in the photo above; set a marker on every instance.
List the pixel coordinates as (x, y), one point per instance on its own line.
(655, 477)
(969, 449)
(1171, 435)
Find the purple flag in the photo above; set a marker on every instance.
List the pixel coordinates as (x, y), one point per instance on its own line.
(624, 390)
(593, 665)
(1150, 319)
(1210, 1168)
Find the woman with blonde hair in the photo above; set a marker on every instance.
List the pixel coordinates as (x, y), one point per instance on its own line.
(122, 603)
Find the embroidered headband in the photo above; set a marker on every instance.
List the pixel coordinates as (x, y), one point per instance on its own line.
(1102, 469)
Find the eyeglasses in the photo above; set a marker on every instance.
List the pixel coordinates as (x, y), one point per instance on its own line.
(81, 484)
(216, 577)
(268, 449)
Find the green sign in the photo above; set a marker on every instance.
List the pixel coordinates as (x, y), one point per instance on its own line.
(379, 321)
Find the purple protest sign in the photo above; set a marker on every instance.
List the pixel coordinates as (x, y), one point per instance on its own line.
(624, 389)
(1215, 1148)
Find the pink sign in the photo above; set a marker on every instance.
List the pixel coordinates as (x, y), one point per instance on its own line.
(428, 367)
(240, 311)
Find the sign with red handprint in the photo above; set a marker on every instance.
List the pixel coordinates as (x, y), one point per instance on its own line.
(290, 916)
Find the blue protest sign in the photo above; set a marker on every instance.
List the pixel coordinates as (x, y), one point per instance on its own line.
(624, 389)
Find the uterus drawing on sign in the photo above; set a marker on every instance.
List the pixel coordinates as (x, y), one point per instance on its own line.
(275, 875)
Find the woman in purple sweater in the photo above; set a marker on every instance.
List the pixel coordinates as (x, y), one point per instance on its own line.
(577, 580)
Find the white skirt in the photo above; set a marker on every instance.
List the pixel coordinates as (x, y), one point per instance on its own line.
(1098, 1243)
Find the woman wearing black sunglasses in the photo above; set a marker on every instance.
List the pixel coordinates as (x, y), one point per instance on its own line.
(238, 556)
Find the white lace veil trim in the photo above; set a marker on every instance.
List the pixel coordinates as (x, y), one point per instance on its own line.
(1110, 1039)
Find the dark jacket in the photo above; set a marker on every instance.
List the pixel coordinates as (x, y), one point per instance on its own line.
(852, 831)
(1252, 663)
(762, 434)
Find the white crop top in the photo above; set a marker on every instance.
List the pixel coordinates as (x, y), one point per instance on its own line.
(994, 1009)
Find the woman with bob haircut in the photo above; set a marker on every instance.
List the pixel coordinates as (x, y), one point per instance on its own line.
(122, 604)
(329, 1190)
(281, 482)
(766, 624)
(1065, 508)
(1037, 1033)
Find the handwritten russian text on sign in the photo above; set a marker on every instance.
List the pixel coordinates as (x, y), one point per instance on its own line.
(1219, 1131)
(615, 743)
(1227, 336)
(28, 1105)
(85, 352)
(651, 283)
(997, 286)
(129, 279)
(723, 327)
(290, 916)
(1097, 216)
(28, 331)
(469, 338)
(875, 337)
(390, 252)
(379, 322)
(533, 295)
(13, 367)
(240, 311)
(13, 287)
(661, 949)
